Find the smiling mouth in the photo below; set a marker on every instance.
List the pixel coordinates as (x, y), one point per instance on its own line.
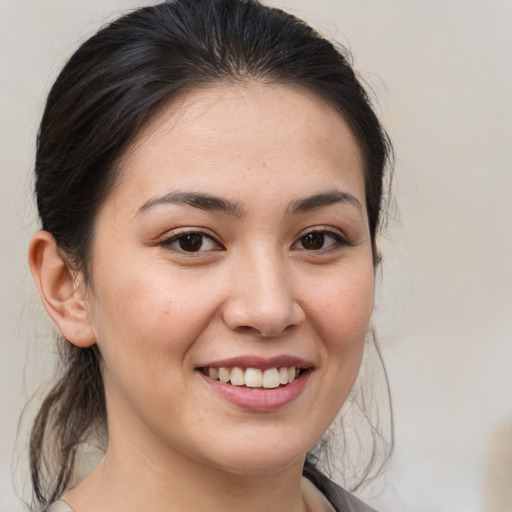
(254, 378)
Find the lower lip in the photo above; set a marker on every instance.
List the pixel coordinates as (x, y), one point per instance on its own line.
(259, 399)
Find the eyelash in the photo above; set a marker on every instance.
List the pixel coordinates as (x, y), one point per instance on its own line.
(173, 242)
(338, 240)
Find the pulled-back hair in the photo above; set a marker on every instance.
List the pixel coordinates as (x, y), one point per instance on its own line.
(107, 92)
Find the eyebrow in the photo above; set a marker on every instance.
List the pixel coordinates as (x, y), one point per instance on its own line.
(321, 200)
(197, 200)
(213, 203)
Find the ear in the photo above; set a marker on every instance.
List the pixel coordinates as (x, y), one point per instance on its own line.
(61, 290)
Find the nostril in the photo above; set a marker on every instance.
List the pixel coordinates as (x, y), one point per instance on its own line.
(247, 329)
(264, 333)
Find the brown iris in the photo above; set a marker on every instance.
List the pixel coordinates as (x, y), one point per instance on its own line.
(191, 242)
(313, 241)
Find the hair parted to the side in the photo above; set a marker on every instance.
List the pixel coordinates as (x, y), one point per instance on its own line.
(107, 92)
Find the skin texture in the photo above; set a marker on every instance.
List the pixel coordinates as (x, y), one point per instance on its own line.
(255, 288)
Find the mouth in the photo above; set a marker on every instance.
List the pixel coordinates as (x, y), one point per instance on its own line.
(257, 384)
(254, 378)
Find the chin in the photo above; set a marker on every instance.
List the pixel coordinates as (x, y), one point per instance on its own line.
(261, 465)
(261, 456)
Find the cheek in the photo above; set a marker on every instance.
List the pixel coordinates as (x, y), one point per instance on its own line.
(146, 324)
(145, 314)
(339, 313)
(342, 307)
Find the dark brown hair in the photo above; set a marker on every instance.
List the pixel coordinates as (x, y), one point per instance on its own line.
(107, 92)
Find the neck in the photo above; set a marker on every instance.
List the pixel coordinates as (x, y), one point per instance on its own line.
(132, 479)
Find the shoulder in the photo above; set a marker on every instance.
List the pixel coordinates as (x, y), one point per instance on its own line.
(341, 499)
(59, 506)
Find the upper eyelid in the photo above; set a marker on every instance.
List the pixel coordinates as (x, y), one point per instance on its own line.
(177, 232)
(327, 230)
(339, 239)
(167, 237)
(322, 229)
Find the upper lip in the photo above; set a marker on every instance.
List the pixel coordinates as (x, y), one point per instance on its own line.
(263, 363)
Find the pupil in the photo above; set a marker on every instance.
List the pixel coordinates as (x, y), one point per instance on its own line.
(191, 242)
(313, 241)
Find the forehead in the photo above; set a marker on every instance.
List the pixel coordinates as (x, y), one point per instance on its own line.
(238, 136)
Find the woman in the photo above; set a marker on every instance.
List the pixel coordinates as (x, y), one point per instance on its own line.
(209, 180)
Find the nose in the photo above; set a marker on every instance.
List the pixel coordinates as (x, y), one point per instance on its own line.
(261, 299)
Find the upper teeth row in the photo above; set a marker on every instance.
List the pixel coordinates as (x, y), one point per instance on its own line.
(254, 377)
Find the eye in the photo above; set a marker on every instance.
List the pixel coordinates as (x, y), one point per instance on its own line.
(319, 240)
(191, 241)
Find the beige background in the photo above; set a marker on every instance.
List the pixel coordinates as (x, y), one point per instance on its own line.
(442, 72)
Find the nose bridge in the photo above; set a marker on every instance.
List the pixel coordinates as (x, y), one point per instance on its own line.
(261, 295)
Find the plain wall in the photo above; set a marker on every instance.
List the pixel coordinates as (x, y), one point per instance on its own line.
(442, 73)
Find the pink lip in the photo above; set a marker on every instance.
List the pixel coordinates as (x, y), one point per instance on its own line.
(259, 399)
(262, 363)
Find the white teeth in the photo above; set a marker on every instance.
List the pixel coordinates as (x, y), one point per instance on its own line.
(271, 378)
(237, 376)
(253, 378)
(224, 374)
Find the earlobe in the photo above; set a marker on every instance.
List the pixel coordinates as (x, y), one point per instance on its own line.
(62, 298)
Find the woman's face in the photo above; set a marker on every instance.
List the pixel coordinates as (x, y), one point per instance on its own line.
(236, 237)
